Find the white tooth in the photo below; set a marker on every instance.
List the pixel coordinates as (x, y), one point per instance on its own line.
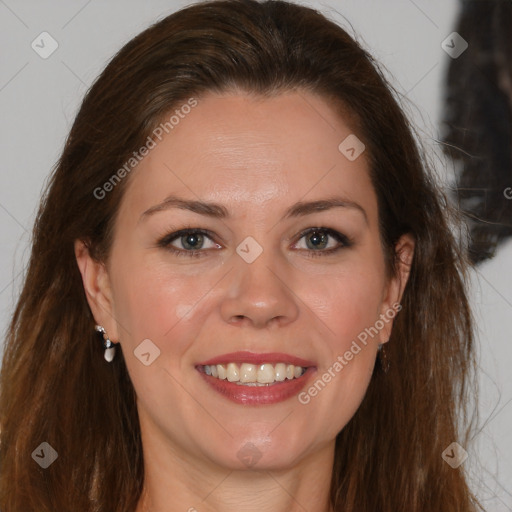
(280, 371)
(266, 374)
(232, 372)
(248, 372)
(251, 374)
(221, 371)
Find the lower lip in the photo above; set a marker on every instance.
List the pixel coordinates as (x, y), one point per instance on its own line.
(259, 395)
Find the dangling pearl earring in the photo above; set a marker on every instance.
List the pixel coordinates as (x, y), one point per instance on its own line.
(110, 349)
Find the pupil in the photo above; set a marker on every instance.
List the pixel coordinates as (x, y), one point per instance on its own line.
(192, 240)
(318, 239)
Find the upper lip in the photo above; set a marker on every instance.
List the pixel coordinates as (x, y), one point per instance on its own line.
(257, 358)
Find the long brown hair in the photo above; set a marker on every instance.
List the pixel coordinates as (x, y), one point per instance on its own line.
(56, 386)
(477, 114)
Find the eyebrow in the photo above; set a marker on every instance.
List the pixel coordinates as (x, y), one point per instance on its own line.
(218, 211)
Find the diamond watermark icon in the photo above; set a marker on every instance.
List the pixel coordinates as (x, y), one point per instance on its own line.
(44, 45)
(454, 45)
(147, 352)
(351, 147)
(249, 454)
(249, 249)
(45, 455)
(454, 455)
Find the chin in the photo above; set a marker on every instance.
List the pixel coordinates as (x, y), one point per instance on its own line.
(260, 454)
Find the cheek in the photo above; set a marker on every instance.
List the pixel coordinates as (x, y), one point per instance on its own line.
(163, 306)
(347, 303)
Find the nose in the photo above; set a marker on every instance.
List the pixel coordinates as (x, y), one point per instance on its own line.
(260, 294)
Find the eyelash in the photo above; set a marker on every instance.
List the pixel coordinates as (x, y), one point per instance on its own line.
(165, 241)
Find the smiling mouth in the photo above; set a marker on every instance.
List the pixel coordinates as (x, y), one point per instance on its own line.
(249, 378)
(248, 374)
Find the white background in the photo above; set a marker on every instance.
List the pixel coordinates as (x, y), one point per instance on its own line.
(39, 98)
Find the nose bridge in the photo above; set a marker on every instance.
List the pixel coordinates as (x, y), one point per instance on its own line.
(258, 292)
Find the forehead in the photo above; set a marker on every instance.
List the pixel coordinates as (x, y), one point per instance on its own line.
(242, 151)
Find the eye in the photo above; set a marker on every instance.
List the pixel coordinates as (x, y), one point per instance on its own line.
(191, 241)
(317, 241)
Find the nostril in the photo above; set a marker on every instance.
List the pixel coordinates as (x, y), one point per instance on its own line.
(238, 320)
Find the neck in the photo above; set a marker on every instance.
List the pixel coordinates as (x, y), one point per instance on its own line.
(170, 487)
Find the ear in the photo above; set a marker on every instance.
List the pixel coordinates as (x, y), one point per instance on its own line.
(404, 250)
(97, 289)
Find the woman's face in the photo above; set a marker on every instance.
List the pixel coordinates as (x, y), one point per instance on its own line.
(262, 287)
